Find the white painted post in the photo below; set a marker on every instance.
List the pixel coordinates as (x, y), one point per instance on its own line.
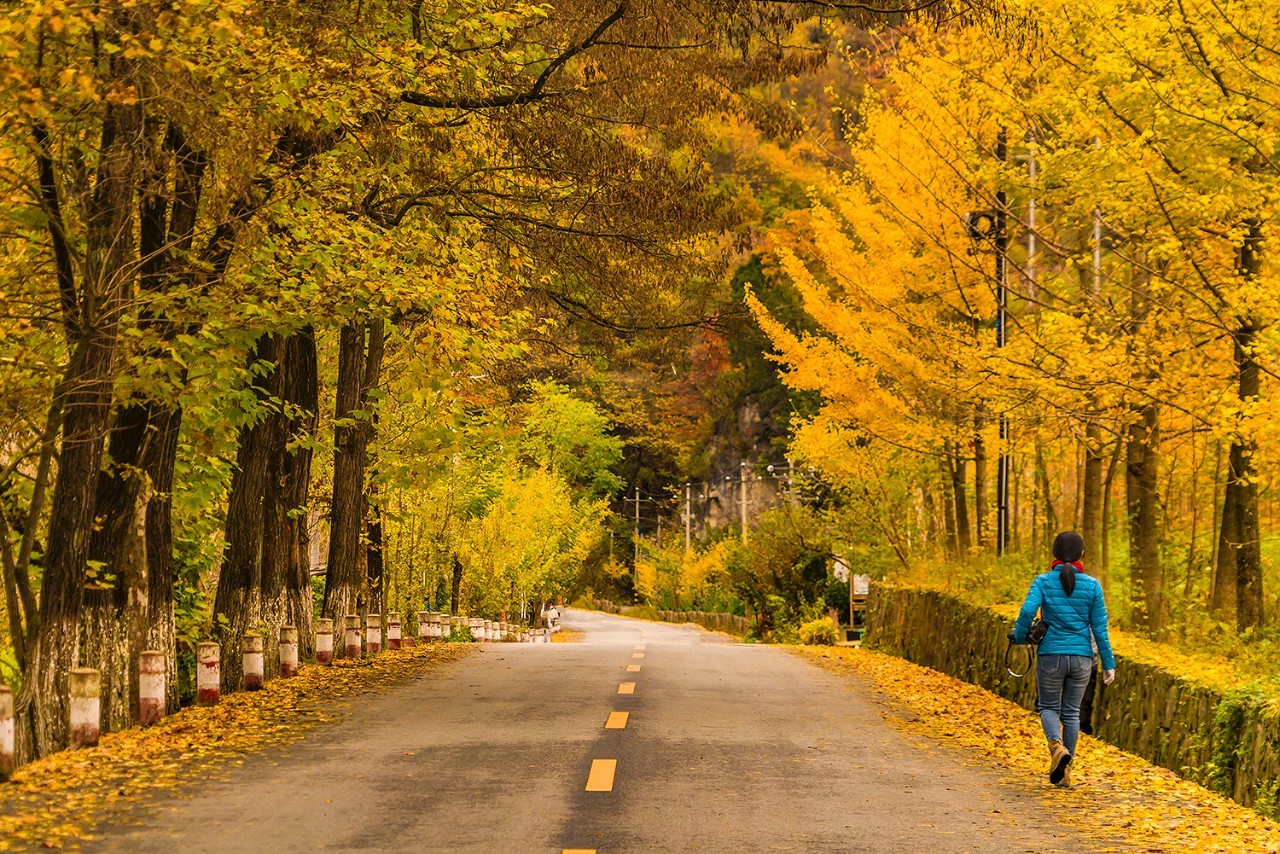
(373, 633)
(7, 760)
(351, 637)
(289, 651)
(393, 630)
(324, 641)
(86, 706)
(252, 677)
(150, 687)
(424, 625)
(208, 673)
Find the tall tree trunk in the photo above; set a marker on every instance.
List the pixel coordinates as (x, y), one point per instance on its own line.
(1104, 570)
(1223, 598)
(1091, 512)
(455, 596)
(374, 561)
(955, 463)
(302, 390)
(265, 580)
(129, 606)
(1050, 512)
(951, 537)
(979, 480)
(86, 395)
(238, 605)
(360, 347)
(1142, 500)
(1249, 600)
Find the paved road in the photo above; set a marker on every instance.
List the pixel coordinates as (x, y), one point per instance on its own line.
(725, 747)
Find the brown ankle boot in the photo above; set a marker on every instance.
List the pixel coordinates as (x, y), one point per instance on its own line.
(1065, 782)
(1059, 759)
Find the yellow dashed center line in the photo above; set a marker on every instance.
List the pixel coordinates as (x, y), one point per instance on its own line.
(578, 851)
(640, 647)
(633, 668)
(617, 720)
(637, 655)
(601, 777)
(627, 688)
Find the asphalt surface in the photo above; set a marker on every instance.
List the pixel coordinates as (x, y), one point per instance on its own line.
(726, 747)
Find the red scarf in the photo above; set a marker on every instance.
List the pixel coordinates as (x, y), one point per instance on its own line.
(1077, 564)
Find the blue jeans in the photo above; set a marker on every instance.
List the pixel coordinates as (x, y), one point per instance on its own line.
(1061, 681)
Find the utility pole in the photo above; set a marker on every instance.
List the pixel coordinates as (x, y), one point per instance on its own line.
(1002, 317)
(742, 501)
(791, 484)
(688, 517)
(659, 530)
(636, 535)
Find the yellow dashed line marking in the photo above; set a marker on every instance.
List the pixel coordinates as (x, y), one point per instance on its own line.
(637, 655)
(617, 720)
(627, 688)
(601, 777)
(579, 851)
(640, 647)
(633, 668)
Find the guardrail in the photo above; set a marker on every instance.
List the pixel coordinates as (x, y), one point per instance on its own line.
(85, 683)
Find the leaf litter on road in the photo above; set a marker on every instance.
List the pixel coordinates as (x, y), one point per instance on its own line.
(56, 801)
(1114, 795)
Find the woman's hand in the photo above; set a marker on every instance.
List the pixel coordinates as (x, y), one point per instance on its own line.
(1108, 676)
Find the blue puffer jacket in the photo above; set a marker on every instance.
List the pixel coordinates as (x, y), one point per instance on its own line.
(1071, 618)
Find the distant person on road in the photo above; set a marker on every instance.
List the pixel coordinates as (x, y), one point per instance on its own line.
(1071, 603)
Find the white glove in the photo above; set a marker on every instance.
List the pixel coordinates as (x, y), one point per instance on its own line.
(1108, 676)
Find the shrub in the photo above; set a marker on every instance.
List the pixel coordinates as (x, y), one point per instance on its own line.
(821, 632)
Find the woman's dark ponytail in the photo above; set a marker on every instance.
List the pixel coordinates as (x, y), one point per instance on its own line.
(1068, 548)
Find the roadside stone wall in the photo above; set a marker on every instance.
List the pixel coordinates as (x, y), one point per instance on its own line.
(1228, 741)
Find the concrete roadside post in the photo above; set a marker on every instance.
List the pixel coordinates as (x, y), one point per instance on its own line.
(86, 706)
(446, 625)
(324, 641)
(150, 687)
(252, 679)
(424, 625)
(393, 630)
(351, 637)
(289, 651)
(208, 673)
(373, 633)
(7, 760)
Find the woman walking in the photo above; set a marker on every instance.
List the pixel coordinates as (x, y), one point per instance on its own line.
(1071, 603)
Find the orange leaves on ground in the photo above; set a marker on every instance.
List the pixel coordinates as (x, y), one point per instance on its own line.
(56, 801)
(1117, 798)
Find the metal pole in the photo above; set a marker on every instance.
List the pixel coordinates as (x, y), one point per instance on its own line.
(1002, 316)
(742, 501)
(636, 534)
(791, 484)
(688, 517)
